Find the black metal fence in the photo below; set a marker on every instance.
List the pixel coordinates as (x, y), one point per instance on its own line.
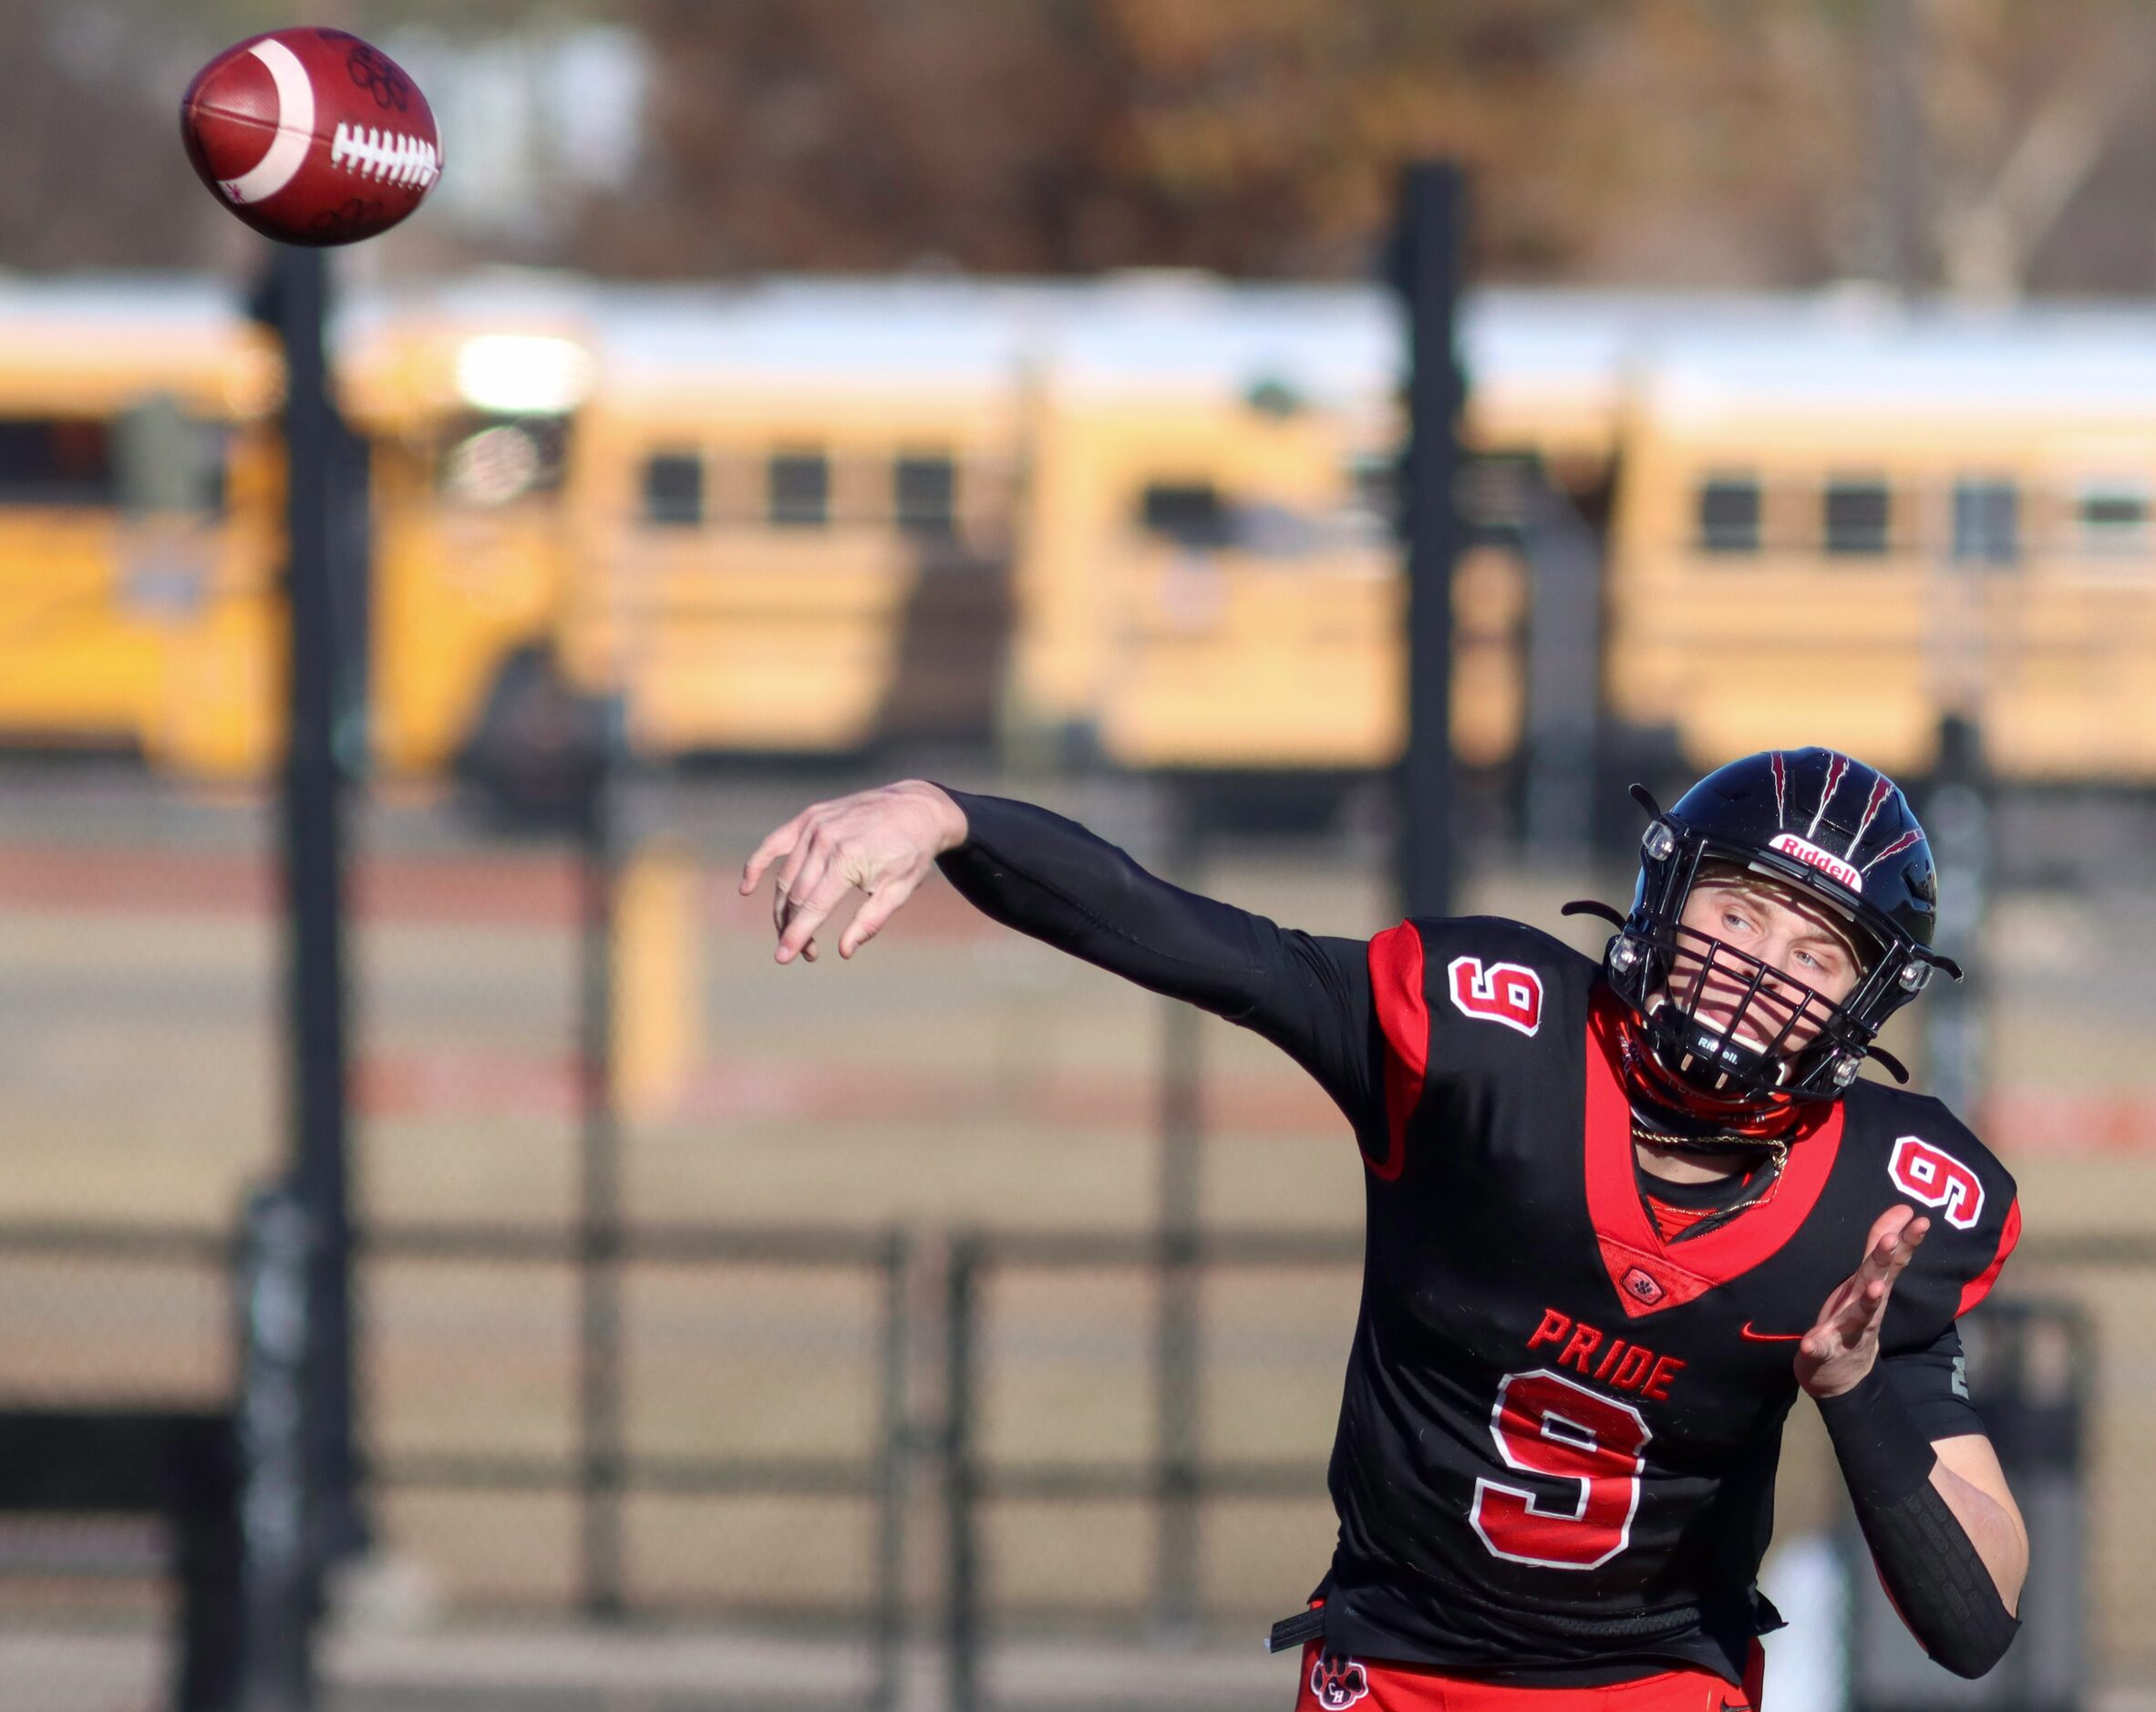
(1086, 1484)
(1169, 1464)
(132, 1282)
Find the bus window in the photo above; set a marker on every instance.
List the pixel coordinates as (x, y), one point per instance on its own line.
(62, 460)
(1857, 513)
(2114, 516)
(165, 461)
(1729, 514)
(212, 476)
(925, 489)
(1374, 510)
(674, 488)
(1986, 522)
(1189, 514)
(798, 489)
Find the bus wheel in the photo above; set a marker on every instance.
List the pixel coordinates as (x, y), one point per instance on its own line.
(529, 758)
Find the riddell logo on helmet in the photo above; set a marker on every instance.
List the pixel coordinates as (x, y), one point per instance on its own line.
(1811, 856)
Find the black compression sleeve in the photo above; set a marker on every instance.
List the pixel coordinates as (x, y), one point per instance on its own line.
(1049, 877)
(1931, 1568)
(1932, 1384)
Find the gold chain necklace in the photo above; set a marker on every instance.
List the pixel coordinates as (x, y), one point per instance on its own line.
(1777, 1148)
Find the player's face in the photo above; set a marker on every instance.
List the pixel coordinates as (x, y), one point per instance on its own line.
(1804, 945)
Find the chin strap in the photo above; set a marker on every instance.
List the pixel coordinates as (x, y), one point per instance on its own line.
(1888, 1062)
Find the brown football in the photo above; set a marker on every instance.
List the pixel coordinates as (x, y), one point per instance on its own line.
(311, 136)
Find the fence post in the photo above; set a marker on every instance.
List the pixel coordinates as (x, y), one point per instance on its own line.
(962, 1622)
(1175, 1329)
(1959, 821)
(279, 1567)
(890, 1491)
(598, 1229)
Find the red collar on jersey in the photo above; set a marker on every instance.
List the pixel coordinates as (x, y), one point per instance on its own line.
(1643, 1270)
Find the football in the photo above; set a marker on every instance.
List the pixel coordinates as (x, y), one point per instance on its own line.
(311, 136)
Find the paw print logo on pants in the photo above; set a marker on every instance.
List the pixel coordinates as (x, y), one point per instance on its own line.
(1338, 1682)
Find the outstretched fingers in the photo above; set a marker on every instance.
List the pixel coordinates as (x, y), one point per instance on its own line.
(880, 906)
(882, 840)
(777, 842)
(1853, 1312)
(810, 892)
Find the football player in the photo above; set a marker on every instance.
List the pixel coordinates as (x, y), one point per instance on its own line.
(1618, 1215)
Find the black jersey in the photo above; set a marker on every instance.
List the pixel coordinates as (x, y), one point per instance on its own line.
(1559, 1435)
(1559, 1431)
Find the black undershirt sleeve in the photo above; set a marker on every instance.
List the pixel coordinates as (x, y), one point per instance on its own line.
(1928, 1563)
(1932, 1384)
(1049, 877)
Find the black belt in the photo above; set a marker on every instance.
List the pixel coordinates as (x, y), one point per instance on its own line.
(1290, 1632)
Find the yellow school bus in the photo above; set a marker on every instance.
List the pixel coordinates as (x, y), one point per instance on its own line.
(793, 505)
(141, 526)
(1210, 577)
(1152, 515)
(1848, 532)
(1206, 578)
(467, 397)
(139, 496)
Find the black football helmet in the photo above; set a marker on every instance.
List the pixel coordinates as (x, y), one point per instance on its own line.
(1813, 820)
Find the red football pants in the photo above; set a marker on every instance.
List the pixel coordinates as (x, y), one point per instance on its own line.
(1381, 1688)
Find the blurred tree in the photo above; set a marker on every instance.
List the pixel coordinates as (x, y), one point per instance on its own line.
(1680, 142)
(2021, 123)
(1989, 144)
(95, 172)
(1612, 138)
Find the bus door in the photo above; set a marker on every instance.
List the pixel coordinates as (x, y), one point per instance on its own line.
(788, 573)
(1254, 619)
(471, 438)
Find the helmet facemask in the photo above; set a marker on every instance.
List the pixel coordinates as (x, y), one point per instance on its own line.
(1740, 1038)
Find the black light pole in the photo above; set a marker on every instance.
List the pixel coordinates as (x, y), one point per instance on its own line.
(1428, 263)
(320, 685)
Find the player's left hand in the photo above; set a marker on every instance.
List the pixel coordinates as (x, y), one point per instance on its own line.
(1843, 1342)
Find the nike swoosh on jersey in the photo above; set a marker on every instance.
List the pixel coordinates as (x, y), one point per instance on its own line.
(1751, 1337)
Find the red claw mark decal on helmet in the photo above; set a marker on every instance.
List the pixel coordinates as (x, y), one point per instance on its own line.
(1837, 770)
(1781, 791)
(1882, 789)
(1901, 843)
